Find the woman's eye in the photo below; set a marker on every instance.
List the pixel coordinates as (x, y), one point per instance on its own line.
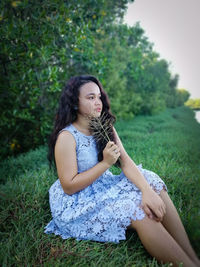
(92, 97)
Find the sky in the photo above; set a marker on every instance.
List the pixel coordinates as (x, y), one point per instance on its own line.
(174, 28)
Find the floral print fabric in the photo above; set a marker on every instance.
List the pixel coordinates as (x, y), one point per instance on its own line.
(103, 210)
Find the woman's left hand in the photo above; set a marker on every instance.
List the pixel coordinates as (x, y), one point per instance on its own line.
(153, 205)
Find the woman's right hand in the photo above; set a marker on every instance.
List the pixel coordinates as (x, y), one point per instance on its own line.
(111, 153)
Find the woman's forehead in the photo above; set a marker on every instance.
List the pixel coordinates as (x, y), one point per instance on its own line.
(88, 88)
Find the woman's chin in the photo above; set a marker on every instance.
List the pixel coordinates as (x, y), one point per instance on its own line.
(96, 114)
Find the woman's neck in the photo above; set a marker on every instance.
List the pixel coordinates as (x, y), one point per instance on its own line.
(82, 124)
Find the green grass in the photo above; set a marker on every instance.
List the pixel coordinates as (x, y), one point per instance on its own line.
(168, 144)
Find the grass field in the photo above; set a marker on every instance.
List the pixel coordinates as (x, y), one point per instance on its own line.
(168, 144)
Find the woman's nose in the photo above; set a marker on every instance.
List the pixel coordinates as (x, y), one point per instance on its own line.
(97, 101)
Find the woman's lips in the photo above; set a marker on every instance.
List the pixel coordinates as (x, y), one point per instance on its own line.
(98, 109)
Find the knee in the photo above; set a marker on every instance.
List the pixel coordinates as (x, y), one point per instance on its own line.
(163, 192)
(147, 229)
(145, 223)
(164, 196)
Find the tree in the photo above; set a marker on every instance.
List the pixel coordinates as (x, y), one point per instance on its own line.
(182, 96)
(43, 43)
(193, 103)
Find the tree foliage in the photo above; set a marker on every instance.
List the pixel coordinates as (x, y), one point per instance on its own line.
(193, 103)
(44, 43)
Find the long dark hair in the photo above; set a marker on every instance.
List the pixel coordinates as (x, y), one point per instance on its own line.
(67, 110)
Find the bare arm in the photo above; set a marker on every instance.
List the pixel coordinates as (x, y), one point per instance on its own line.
(129, 167)
(151, 202)
(66, 163)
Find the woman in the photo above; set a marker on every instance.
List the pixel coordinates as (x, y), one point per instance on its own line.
(89, 202)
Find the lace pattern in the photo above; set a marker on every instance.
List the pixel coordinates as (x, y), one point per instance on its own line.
(103, 210)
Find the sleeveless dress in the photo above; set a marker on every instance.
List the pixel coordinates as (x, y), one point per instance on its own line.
(103, 210)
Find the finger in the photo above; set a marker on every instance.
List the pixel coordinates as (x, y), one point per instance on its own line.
(163, 206)
(158, 214)
(110, 144)
(114, 147)
(116, 155)
(148, 212)
(163, 210)
(155, 217)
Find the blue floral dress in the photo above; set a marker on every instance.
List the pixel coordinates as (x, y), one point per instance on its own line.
(103, 210)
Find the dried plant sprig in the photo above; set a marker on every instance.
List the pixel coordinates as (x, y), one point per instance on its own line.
(102, 130)
(101, 127)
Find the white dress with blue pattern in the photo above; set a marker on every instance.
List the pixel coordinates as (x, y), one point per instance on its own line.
(103, 210)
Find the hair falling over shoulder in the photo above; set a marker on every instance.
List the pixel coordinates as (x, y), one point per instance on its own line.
(67, 110)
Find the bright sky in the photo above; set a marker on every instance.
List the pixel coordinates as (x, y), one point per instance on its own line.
(174, 28)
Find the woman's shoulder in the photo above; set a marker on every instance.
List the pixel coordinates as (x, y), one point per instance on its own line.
(68, 128)
(65, 142)
(66, 134)
(69, 133)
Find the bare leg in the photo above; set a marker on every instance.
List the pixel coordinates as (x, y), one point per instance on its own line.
(174, 226)
(159, 243)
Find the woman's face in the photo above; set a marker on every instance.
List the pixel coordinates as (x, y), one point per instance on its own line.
(90, 103)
